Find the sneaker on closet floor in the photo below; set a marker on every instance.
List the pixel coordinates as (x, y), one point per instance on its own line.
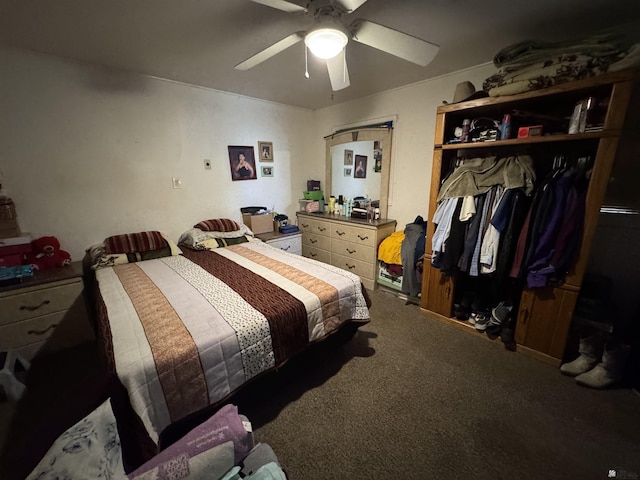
(481, 320)
(499, 317)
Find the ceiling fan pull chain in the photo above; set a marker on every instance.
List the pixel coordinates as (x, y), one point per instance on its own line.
(306, 68)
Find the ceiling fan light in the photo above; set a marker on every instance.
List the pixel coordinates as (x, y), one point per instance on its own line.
(326, 43)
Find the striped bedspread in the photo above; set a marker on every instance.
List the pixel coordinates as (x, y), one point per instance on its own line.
(188, 330)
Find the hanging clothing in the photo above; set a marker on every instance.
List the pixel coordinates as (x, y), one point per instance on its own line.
(412, 250)
(509, 235)
(447, 261)
(543, 248)
(442, 219)
(491, 239)
(478, 175)
(468, 209)
(474, 267)
(562, 234)
(472, 234)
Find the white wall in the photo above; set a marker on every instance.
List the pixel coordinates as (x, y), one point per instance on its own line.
(88, 152)
(411, 158)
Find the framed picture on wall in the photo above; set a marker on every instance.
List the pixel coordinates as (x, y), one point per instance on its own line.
(347, 172)
(377, 157)
(242, 163)
(361, 167)
(267, 171)
(348, 157)
(266, 151)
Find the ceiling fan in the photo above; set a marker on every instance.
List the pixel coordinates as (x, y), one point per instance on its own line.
(328, 37)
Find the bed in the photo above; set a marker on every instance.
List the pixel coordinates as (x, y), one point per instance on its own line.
(183, 332)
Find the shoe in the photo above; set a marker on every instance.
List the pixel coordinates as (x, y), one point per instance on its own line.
(610, 371)
(589, 350)
(499, 316)
(481, 320)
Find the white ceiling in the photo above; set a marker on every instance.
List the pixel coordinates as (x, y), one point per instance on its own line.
(199, 41)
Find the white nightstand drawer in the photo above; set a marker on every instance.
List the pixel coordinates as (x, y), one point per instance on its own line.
(17, 306)
(288, 244)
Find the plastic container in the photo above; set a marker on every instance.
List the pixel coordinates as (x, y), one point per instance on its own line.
(313, 195)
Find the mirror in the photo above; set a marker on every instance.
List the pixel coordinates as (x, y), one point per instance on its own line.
(358, 163)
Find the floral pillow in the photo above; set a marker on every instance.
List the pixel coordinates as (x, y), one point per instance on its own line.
(88, 450)
(197, 239)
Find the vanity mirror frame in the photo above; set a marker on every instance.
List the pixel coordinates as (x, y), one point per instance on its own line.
(379, 134)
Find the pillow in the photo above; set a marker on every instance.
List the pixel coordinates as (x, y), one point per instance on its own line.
(135, 242)
(100, 255)
(197, 239)
(90, 449)
(218, 225)
(207, 451)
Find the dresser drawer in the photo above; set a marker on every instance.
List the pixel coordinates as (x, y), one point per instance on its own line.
(22, 306)
(20, 334)
(288, 244)
(363, 269)
(317, 241)
(314, 226)
(355, 251)
(315, 253)
(362, 236)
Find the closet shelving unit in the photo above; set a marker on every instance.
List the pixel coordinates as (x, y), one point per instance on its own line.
(543, 314)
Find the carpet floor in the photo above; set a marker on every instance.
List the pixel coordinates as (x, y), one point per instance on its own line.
(408, 397)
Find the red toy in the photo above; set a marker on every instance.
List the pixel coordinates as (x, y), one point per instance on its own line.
(46, 253)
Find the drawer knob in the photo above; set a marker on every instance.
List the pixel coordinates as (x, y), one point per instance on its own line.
(286, 248)
(363, 238)
(31, 309)
(351, 251)
(340, 233)
(42, 332)
(322, 229)
(350, 267)
(313, 241)
(313, 255)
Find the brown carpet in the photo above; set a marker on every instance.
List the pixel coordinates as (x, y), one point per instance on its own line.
(407, 397)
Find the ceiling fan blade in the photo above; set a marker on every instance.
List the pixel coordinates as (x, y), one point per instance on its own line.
(282, 5)
(350, 5)
(396, 43)
(338, 72)
(269, 52)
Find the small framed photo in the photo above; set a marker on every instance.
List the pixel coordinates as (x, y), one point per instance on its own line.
(361, 167)
(347, 172)
(267, 171)
(266, 151)
(242, 163)
(348, 157)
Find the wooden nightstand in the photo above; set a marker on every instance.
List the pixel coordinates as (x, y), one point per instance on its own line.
(44, 313)
(289, 242)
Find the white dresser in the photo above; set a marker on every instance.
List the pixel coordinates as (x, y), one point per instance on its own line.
(346, 243)
(47, 310)
(288, 242)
